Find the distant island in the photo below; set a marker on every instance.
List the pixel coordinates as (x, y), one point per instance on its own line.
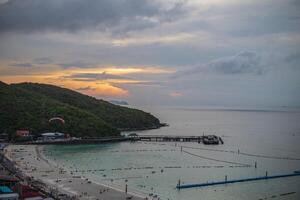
(119, 102)
(30, 106)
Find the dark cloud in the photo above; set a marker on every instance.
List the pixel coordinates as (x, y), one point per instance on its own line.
(43, 60)
(295, 57)
(85, 88)
(246, 62)
(21, 65)
(74, 15)
(49, 60)
(146, 83)
(79, 63)
(94, 76)
(246, 18)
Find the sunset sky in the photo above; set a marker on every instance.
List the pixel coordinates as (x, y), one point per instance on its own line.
(157, 52)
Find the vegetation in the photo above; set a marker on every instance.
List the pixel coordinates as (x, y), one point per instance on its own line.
(31, 105)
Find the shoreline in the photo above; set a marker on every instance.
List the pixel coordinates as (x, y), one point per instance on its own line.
(50, 161)
(31, 160)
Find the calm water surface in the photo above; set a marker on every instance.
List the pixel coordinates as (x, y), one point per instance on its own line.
(156, 167)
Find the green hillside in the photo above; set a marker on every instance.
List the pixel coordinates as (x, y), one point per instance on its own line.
(118, 116)
(30, 106)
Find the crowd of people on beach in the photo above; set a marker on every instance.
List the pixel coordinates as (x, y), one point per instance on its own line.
(9, 167)
(17, 161)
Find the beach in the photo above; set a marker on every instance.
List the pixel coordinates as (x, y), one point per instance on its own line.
(269, 138)
(31, 161)
(254, 143)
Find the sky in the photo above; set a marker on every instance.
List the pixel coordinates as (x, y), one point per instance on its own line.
(225, 53)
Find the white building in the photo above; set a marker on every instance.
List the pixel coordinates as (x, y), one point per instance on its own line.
(9, 196)
(52, 136)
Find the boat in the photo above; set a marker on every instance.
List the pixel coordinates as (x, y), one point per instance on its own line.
(210, 139)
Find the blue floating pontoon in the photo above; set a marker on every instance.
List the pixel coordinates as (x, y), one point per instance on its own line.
(179, 186)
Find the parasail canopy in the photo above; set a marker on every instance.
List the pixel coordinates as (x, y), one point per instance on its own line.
(57, 119)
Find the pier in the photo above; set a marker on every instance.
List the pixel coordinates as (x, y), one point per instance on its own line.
(266, 177)
(206, 139)
(178, 138)
(81, 141)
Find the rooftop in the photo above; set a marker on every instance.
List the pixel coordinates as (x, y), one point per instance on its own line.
(5, 190)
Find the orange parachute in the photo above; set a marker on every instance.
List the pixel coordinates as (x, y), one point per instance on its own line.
(57, 118)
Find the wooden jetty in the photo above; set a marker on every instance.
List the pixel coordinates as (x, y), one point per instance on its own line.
(184, 186)
(177, 138)
(169, 138)
(149, 138)
(81, 141)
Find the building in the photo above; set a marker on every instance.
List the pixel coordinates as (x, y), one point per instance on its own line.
(8, 181)
(2, 146)
(3, 137)
(27, 193)
(7, 194)
(22, 133)
(52, 136)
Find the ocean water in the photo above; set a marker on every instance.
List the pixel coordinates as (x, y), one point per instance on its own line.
(270, 137)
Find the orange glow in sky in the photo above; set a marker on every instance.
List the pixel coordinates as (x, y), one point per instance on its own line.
(122, 70)
(110, 87)
(176, 94)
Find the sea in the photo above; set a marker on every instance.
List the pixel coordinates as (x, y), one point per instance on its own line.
(266, 138)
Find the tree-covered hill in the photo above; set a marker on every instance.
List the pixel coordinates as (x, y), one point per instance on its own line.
(118, 116)
(31, 105)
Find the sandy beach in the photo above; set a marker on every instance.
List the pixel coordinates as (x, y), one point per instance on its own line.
(30, 160)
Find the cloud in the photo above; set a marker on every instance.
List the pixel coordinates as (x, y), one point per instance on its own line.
(176, 94)
(75, 15)
(146, 83)
(294, 57)
(79, 64)
(253, 18)
(245, 62)
(85, 88)
(25, 64)
(43, 60)
(95, 76)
